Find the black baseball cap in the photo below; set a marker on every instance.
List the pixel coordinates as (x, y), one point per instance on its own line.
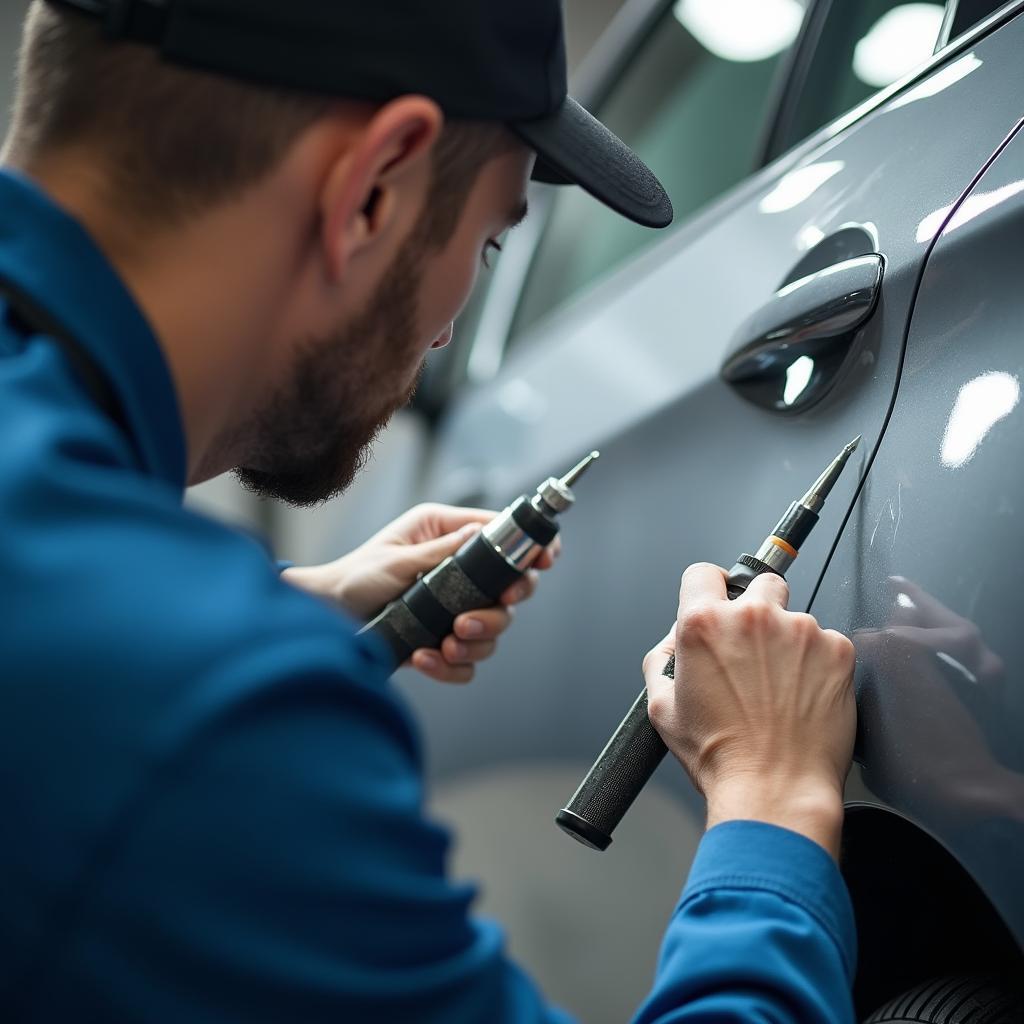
(494, 60)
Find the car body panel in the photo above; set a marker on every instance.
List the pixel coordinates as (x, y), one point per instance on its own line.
(924, 573)
(690, 471)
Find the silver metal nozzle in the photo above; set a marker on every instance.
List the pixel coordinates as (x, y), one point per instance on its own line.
(814, 499)
(579, 469)
(557, 494)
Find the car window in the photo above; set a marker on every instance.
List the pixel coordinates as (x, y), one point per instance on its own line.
(692, 103)
(965, 14)
(863, 47)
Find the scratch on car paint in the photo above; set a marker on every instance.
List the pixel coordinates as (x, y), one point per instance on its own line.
(895, 517)
(881, 516)
(899, 514)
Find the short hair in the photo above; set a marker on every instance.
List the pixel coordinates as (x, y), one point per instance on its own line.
(177, 141)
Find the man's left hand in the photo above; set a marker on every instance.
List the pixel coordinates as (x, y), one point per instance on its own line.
(383, 568)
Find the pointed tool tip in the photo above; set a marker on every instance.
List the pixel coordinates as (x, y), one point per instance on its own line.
(579, 469)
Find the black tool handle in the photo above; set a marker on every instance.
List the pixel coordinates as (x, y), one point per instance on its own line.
(633, 753)
(474, 577)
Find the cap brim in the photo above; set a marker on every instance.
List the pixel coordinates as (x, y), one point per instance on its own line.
(573, 147)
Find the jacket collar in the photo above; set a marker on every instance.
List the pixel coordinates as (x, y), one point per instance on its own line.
(51, 259)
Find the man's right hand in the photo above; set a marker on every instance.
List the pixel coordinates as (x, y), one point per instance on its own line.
(761, 712)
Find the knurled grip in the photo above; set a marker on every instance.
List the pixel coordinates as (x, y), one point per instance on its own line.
(474, 577)
(633, 753)
(614, 782)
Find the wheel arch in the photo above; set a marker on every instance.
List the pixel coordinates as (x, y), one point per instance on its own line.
(919, 912)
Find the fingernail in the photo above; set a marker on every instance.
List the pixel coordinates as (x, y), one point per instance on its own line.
(471, 627)
(459, 651)
(518, 592)
(429, 660)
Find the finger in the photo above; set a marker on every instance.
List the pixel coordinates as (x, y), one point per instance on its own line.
(483, 623)
(449, 518)
(522, 589)
(549, 555)
(423, 557)
(434, 666)
(769, 587)
(466, 652)
(657, 657)
(544, 561)
(702, 582)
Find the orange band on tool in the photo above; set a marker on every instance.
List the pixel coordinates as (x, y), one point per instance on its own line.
(785, 545)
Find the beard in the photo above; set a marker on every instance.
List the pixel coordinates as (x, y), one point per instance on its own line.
(306, 444)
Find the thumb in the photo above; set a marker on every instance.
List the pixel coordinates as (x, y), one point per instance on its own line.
(430, 553)
(657, 657)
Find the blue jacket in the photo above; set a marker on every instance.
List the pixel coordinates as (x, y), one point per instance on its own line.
(213, 797)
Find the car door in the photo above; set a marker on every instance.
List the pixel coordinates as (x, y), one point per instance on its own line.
(924, 575)
(693, 467)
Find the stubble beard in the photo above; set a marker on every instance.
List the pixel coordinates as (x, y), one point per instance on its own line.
(307, 443)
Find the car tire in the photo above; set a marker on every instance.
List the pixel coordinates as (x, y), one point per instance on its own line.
(957, 999)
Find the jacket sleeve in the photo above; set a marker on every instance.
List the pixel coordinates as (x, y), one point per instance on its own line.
(764, 932)
(280, 867)
(277, 865)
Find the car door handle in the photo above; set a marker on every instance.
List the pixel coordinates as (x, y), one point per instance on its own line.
(814, 320)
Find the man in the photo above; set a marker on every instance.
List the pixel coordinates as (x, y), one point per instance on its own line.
(229, 232)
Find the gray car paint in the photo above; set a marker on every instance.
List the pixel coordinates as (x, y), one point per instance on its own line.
(690, 470)
(923, 577)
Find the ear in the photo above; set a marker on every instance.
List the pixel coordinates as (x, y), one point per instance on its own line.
(380, 179)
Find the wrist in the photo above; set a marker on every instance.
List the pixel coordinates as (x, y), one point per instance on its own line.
(809, 807)
(316, 580)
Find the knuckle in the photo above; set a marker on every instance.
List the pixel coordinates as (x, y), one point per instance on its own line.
(753, 613)
(426, 508)
(804, 625)
(697, 569)
(654, 658)
(843, 646)
(696, 622)
(658, 707)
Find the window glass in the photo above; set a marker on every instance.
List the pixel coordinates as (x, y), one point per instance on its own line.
(692, 104)
(864, 47)
(968, 13)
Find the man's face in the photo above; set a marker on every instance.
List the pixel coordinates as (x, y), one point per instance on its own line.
(312, 436)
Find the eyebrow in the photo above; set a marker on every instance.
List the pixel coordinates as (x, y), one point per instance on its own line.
(518, 214)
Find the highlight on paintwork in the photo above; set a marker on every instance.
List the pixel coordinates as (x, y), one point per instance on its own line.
(798, 376)
(799, 185)
(980, 405)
